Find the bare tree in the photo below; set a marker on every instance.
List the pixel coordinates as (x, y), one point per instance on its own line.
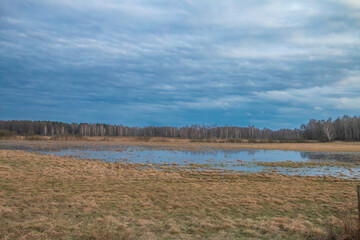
(329, 130)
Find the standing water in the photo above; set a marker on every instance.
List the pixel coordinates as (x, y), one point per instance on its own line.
(343, 165)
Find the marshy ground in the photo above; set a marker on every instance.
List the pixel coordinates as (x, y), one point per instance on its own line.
(185, 144)
(52, 197)
(178, 155)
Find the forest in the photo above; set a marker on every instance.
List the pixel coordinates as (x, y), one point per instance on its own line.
(341, 129)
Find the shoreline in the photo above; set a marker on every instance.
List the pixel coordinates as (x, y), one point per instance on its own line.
(186, 144)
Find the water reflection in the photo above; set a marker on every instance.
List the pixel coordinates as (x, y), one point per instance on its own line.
(331, 156)
(202, 153)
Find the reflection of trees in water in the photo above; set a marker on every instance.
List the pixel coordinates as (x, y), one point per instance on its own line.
(222, 151)
(252, 152)
(328, 156)
(304, 155)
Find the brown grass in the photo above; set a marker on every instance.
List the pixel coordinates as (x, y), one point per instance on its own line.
(345, 229)
(51, 197)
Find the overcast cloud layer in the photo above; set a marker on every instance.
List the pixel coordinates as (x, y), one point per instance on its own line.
(267, 63)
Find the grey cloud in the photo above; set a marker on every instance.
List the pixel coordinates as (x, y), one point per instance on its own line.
(161, 58)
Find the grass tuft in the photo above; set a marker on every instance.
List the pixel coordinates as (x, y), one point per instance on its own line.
(345, 229)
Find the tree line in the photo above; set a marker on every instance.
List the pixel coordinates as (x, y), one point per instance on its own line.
(345, 128)
(341, 129)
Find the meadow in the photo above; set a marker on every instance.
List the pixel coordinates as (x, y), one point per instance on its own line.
(52, 197)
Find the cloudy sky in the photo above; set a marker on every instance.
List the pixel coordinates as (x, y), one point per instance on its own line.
(162, 62)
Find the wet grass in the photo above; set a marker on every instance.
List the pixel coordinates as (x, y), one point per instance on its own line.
(308, 164)
(51, 197)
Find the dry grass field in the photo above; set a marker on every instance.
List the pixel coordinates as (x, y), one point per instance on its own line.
(51, 197)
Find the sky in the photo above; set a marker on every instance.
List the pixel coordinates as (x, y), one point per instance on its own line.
(272, 64)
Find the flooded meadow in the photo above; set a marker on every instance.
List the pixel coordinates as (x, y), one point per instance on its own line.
(303, 163)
